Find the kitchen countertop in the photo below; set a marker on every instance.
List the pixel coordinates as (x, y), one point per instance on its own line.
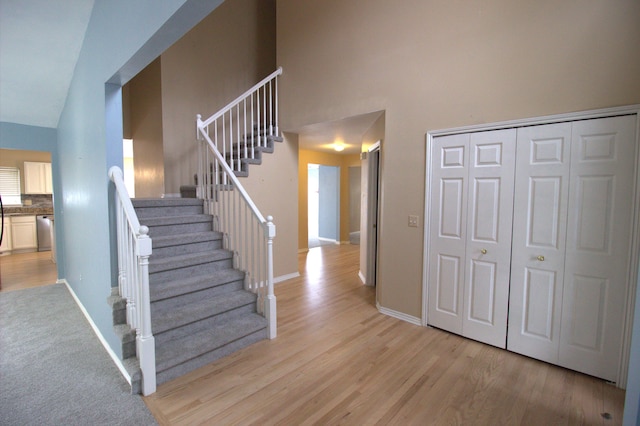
(27, 211)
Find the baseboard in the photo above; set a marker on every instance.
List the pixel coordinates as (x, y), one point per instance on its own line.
(93, 325)
(303, 250)
(362, 278)
(286, 277)
(172, 195)
(399, 315)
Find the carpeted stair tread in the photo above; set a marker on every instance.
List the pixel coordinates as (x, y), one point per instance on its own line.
(165, 202)
(167, 289)
(189, 347)
(176, 240)
(179, 314)
(175, 220)
(191, 259)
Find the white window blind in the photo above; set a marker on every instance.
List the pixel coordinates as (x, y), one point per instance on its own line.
(10, 186)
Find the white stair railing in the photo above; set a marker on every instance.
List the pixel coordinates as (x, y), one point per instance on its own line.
(134, 249)
(245, 124)
(225, 139)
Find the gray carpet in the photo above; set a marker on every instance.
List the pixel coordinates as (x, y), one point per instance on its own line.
(53, 369)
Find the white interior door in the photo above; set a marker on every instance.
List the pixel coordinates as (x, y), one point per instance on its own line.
(598, 245)
(470, 234)
(448, 237)
(489, 220)
(539, 233)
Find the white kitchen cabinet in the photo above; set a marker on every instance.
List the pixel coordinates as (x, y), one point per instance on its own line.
(23, 233)
(5, 247)
(37, 178)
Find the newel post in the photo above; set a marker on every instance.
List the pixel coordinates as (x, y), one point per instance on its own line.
(145, 341)
(270, 301)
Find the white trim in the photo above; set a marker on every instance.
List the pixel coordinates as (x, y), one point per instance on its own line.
(303, 250)
(172, 195)
(634, 254)
(399, 315)
(286, 277)
(627, 327)
(362, 278)
(112, 354)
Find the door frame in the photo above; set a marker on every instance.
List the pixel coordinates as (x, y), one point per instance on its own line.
(634, 251)
(373, 213)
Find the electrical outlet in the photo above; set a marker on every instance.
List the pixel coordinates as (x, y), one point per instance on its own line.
(413, 221)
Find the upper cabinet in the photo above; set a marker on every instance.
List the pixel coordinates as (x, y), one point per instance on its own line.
(37, 178)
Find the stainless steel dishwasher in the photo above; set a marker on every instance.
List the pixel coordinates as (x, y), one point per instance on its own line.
(43, 227)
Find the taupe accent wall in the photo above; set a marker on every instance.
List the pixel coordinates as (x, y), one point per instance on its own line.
(218, 60)
(439, 64)
(144, 95)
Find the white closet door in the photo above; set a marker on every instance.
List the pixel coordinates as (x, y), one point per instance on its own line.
(598, 245)
(470, 238)
(448, 238)
(489, 220)
(539, 232)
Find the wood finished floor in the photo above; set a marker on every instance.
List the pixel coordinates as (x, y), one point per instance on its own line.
(337, 360)
(27, 270)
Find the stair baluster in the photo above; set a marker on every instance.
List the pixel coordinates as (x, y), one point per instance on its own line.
(223, 158)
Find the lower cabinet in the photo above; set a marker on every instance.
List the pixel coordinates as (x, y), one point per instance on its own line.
(23, 233)
(5, 246)
(529, 239)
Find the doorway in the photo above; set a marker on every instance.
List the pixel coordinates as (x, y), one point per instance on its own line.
(26, 259)
(323, 205)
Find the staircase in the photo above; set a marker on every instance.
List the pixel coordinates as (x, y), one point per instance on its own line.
(245, 153)
(195, 275)
(200, 311)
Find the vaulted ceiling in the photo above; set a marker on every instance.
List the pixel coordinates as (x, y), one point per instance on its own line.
(40, 41)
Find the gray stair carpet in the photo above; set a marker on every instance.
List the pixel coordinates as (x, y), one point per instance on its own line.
(200, 311)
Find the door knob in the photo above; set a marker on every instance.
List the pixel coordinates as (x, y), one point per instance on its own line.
(541, 258)
(483, 251)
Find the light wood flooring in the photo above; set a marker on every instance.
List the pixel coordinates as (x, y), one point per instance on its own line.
(337, 360)
(26, 270)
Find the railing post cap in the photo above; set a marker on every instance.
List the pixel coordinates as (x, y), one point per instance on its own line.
(114, 171)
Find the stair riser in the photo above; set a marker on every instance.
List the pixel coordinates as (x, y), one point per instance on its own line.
(161, 337)
(209, 357)
(146, 212)
(186, 249)
(190, 271)
(208, 292)
(119, 316)
(178, 229)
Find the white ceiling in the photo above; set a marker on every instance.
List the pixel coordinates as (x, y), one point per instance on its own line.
(348, 131)
(40, 41)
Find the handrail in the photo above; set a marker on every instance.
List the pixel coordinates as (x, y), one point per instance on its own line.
(240, 98)
(229, 217)
(229, 140)
(134, 249)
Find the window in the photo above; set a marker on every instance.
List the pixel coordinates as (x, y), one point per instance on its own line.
(10, 186)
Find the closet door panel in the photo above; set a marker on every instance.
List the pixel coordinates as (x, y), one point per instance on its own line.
(447, 240)
(539, 232)
(598, 245)
(491, 174)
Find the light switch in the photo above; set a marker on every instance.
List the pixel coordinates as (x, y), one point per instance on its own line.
(413, 221)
